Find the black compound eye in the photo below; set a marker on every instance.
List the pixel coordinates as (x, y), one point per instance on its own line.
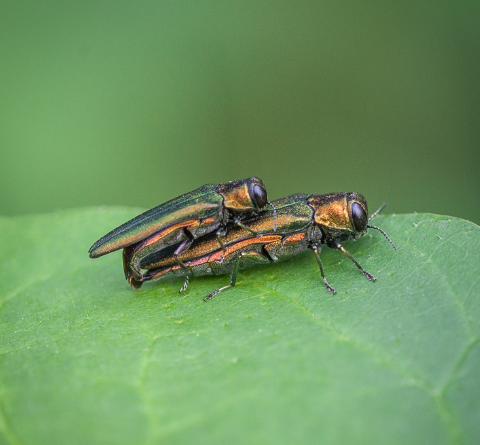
(259, 197)
(359, 217)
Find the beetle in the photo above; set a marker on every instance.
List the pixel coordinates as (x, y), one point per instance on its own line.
(301, 222)
(180, 221)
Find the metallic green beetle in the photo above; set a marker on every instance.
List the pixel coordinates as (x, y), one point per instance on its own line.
(301, 222)
(182, 220)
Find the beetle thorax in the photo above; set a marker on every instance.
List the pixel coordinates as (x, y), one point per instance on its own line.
(236, 197)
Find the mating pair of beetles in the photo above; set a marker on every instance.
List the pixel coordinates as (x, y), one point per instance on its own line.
(221, 228)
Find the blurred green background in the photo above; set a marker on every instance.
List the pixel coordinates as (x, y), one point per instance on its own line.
(133, 103)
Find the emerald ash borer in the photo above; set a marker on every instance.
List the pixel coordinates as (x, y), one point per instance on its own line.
(180, 221)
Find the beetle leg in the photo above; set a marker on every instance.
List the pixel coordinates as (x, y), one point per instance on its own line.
(233, 279)
(233, 276)
(243, 226)
(221, 232)
(188, 269)
(339, 246)
(270, 250)
(180, 249)
(317, 248)
(183, 246)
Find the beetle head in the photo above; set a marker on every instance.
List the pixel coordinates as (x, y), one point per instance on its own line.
(340, 215)
(244, 195)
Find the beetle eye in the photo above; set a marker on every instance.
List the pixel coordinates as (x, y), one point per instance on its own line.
(259, 196)
(359, 217)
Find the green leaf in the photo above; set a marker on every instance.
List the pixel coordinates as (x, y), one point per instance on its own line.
(86, 360)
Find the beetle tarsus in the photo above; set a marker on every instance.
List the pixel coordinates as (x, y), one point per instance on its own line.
(215, 293)
(368, 275)
(329, 288)
(185, 285)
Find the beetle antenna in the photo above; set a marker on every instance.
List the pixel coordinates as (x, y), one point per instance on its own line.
(374, 214)
(274, 216)
(383, 233)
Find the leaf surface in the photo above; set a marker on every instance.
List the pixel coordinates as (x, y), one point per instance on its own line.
(86, 360)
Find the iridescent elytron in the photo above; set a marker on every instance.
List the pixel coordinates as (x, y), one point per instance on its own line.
(182, 220)
(297, 223)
